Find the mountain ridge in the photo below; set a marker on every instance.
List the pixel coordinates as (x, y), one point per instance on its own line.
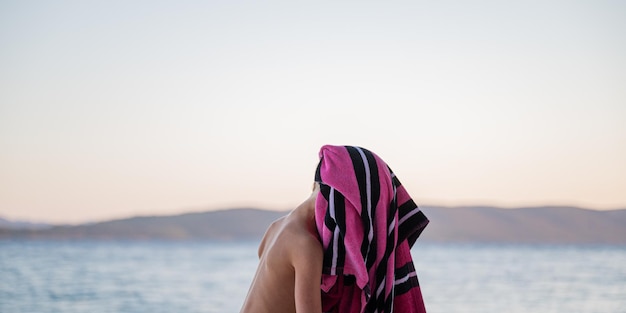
(466, 224)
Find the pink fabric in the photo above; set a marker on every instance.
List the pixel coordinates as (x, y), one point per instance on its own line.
(367, 223)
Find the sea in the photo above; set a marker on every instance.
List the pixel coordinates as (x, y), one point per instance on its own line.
(97, 276)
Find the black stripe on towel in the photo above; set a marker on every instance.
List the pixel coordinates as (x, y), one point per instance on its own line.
(359, 172)
(404, 284)
(394, 179)
(375, 198)
(330, 224)
(340, 218)
(412, 227)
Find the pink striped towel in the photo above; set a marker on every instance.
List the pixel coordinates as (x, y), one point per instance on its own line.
(367, 223)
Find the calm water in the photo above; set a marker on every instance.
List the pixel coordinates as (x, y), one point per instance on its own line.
(214, 277)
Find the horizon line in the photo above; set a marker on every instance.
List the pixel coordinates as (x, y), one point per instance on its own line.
(260, 208)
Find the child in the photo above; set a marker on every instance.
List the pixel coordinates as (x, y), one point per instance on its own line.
(290, 265)
(347, 247)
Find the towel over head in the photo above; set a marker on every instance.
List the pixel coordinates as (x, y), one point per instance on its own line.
(367, 223)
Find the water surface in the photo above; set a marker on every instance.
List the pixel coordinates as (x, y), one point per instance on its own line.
(88, 276)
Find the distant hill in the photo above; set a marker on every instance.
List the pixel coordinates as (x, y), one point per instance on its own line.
(236, 224)
(548, 225)
(525, 225)
(4, 223)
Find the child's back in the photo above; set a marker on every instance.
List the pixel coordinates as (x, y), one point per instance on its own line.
(290, 265)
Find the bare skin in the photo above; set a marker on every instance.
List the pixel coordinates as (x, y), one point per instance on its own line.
(290, 265)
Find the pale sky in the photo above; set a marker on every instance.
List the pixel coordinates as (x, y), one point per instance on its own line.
(112, 109)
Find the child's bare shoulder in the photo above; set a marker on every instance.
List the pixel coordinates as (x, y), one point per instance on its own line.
(302, 242)
(270, 234)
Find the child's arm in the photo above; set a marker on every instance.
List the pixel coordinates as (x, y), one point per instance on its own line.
(307, 261)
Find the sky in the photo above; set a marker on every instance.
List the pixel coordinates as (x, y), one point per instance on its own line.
(111, 109)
